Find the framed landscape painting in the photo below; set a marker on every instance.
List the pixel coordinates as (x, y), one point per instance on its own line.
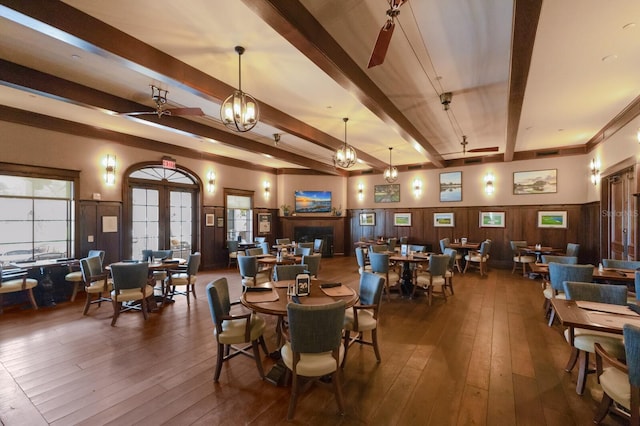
(443, 220)
(367, 219)
(552, 219)
(386, 193)
(491, 219)
(451, 186)
(535, 182)
(402, 219)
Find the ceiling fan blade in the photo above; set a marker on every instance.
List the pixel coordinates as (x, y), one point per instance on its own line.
(382, 44)
(184, 111)
(488, 149)
(139, 113)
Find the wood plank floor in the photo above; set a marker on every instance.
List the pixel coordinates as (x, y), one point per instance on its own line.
(486, 356)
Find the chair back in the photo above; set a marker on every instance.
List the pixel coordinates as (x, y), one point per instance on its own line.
(418, 248)
(288, 272)
(253, 251)
(379, 262)
(371, 286)
(621, 264)
(590, 292)
(377, 248)
(232, 246)
(283, 241)
(517, 246)
(260, 240)
(438, 264)
(392, 243)
(302, 251)
(129, 275)
(308, 245)
(313, 263)
(146, 254)
(193, 263)
(452, 253)
(572, 249)
(403, 240)
(485, 248)
(567, 260)
(360, 257)
(444, 243)
(315, 328)
(559, 273)
(317, 245)
(90, 267)
(248, 266)
(631, 335)
(99, 253)
(219, 300)
(637, 285)
(264, 247)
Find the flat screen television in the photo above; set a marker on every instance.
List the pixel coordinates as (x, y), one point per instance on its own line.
(313, 201)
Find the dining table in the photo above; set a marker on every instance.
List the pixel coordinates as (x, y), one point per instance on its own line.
(539, 250)
(272, 298)
(607, 275)
(406, 284)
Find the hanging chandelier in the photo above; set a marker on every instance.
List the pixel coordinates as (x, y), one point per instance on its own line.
(239, 112)
(345, 156)
(391, 172)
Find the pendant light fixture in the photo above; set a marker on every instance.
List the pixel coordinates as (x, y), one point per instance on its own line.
(345, 156)
(239, 112)
(390, 173)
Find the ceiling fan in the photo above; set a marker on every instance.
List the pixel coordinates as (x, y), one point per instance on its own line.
(159, 96)
(464, 144)
(384, 36)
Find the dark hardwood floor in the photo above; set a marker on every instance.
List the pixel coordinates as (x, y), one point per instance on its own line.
(484, 357)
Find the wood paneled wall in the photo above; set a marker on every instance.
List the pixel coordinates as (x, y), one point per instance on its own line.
(90, 226)
(583, 227)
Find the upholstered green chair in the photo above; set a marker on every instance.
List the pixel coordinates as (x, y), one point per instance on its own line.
(361, 258)
(289, 272)
(183, 277)
(12, 283)
(250, 273)
(260, 240)
(75, 277)
(581, 340)
(317, 245)
(391, 244)
(96, 282)
(314, 347)
(572, 249)
(620, 383)
(565, 260)
(232, 330)
(620, 264)
(283, 241)
(453, 256)
(130, 284)
(520, 256)
(308, 245)
(313, 263)
(364, 316)
(302, 251)
(433, 277)
(558, 274)
(253, 251)
(232, 248)
(380, 265)
(479, 258)
(265, 248)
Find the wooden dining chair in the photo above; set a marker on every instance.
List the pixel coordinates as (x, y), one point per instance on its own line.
(380, 265)
(314, 347)
(250, 273)
(433, 277)
(75, 276)
(96, 282)
(232, 330)
(183, 277)
(130, 284)
(558, 274)
(15, 282)
(520, 255)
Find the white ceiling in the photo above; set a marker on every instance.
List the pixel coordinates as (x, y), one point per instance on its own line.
(458, 46)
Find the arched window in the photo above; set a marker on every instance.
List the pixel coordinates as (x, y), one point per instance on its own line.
(161, 209)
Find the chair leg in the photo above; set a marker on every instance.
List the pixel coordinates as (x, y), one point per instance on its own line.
(451, 284)
(430, 293)
(603, 409)
(514, 267)
(87, 303)
(32, 299)
(347, 337)
(219, 361)
(117, 306)
(75, 291)
(337, 388)
(294, 396)
(575, 352)
(263, 344)
(256, 355)
(466, 266)
(374, 341)
(582, 373)
(552, 315)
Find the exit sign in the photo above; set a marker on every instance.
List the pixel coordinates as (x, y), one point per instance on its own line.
(168, 163)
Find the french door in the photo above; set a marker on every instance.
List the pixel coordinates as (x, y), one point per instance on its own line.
(621, 214)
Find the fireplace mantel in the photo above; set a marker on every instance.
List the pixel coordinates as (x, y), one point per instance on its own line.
(289, 223)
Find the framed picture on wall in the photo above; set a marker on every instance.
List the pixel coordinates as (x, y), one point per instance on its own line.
(491, 219)
(386, 193)
(220, 222)
(210, 219)
(443, 220)
(367, 219)
(451, 186)
(264, 223)
(535, 182)
(552, 219)
(402, 219)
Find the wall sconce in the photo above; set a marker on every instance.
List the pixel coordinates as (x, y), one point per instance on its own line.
(211, 181)
(360, 192)
(417, 187)
(267, 189)
(488, 184)
(110, 169)
(594, 166)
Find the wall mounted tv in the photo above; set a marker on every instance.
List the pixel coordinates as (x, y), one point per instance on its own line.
(313, 201)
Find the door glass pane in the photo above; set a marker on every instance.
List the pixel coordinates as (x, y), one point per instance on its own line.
(145, 225)
(181, 213)
(239, 223)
